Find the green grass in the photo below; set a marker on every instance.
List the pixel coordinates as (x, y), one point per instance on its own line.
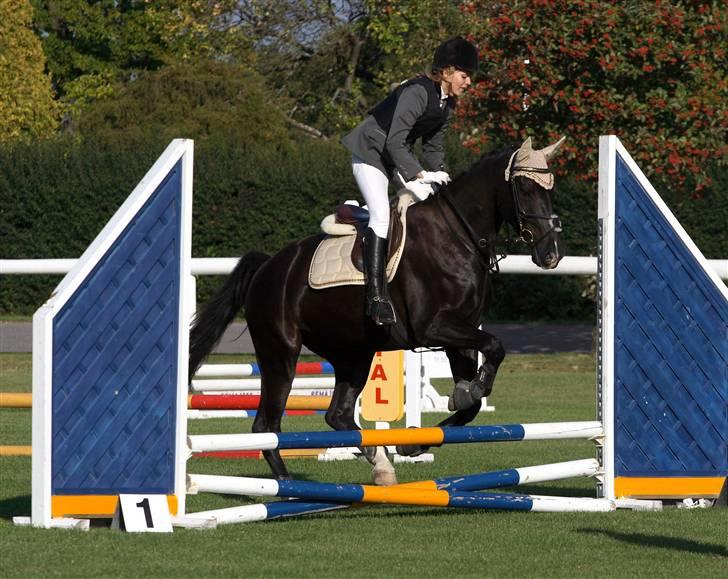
(384, 541)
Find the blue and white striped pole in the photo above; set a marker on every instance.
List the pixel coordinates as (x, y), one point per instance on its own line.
(488, 480)
(435, 436)
(394, 495)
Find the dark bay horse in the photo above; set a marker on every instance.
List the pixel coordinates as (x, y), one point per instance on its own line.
(438, 294)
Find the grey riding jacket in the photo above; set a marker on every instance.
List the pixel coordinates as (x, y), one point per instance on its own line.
(414, 110)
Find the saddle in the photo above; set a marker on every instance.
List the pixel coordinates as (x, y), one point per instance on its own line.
(339, 258)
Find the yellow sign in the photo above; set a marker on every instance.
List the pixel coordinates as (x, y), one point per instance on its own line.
(383, 396)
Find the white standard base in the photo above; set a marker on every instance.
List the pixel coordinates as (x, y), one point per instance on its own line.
(425, 457)
(344, 453)
(69, 523)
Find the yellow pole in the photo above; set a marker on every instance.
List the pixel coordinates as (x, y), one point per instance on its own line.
(15, 400)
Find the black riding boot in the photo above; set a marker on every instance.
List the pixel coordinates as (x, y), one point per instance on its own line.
(379, 307)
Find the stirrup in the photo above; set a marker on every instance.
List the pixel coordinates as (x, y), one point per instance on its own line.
(381, 311)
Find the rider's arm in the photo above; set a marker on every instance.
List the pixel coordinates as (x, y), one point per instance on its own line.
(433, 148)
(410, 106)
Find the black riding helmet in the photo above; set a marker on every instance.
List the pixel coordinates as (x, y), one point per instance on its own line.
(456, 52)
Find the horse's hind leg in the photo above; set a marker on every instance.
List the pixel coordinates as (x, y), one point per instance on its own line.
(277, 369)
(351, 377)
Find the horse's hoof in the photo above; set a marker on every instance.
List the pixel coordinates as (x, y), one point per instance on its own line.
(384, 478)
(461, 398)
(410, 450)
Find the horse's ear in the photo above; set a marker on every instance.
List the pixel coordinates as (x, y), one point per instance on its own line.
(524, 152)
(550, 151)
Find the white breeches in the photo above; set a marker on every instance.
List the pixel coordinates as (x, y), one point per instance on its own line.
(374, 186)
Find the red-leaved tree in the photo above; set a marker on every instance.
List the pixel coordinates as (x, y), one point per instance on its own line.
(651, 72)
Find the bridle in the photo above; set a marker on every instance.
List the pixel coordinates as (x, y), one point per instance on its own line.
(482, 246)
(524, 233)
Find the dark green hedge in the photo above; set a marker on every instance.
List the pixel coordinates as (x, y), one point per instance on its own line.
(55, 197)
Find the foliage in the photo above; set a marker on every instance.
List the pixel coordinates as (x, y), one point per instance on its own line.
(333, 61)
(650, 71)
(406, 34)
(187, 100)
(27, 108)
(257, 194)
(308, 51)
(91, 44)
(249, 194)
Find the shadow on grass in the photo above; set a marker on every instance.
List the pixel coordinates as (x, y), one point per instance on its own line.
(662, 542)
(376, 512)
(15, 507)
(543, 490)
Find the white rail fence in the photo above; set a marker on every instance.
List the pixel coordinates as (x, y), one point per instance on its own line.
(515, 264)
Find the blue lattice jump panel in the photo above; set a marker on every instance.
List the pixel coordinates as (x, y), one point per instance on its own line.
(671, 348)
(115, 360)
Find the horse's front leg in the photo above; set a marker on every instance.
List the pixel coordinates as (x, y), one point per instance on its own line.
(470, 386)
(463, 365)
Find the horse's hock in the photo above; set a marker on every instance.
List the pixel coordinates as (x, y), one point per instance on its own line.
(661, 431)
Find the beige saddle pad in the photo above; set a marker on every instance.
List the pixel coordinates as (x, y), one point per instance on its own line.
(331, 265)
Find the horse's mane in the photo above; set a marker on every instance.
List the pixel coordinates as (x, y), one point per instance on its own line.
(485, 158)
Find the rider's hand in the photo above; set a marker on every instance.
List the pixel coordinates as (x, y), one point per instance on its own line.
(419, 188)
(435, 177)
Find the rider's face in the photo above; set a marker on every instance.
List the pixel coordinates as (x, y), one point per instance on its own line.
(455, 81)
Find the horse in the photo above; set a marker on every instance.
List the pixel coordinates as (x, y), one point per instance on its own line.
(438, 292)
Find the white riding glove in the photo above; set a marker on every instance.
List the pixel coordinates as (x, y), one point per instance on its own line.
(419, 188)
(438, 177)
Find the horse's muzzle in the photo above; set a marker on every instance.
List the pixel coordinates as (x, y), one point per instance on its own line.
(547, 253)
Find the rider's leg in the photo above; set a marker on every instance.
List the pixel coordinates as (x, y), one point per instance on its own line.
(374, 185)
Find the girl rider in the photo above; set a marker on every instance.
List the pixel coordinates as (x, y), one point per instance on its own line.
(381, 148)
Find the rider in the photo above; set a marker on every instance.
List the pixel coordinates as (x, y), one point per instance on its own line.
(381, 148)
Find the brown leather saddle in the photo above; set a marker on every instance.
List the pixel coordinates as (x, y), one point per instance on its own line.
(359, 218)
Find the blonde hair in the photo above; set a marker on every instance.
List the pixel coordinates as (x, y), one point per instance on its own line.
(436, 74)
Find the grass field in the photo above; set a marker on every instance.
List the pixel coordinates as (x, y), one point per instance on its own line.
(384, 541)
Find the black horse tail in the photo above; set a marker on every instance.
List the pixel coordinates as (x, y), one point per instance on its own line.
(217, 314)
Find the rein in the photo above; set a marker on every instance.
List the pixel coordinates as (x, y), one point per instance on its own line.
(481, 244)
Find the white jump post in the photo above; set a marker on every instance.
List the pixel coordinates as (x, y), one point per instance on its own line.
(110, 351)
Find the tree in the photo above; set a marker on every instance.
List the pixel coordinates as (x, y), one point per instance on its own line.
(649, 71)
(27, 108)
(331, 61)
(92, 44)
(407, 32)
(309, 52)
(188, 100)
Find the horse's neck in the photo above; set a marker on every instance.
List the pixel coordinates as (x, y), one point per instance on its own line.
(476, 199)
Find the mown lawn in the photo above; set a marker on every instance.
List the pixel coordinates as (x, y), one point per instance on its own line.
(384, 541)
